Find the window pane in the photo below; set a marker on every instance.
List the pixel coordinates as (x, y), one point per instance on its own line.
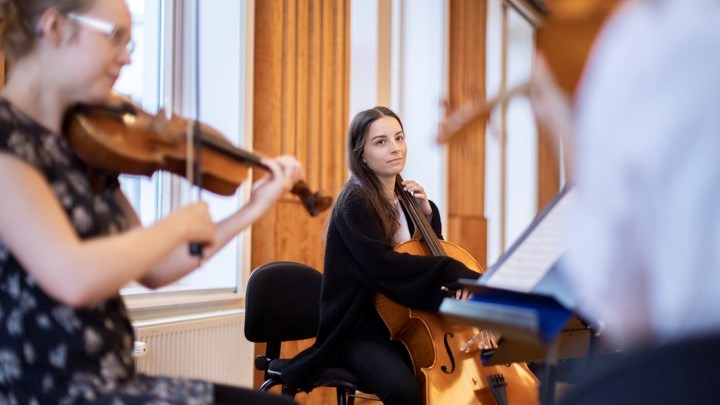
(222, 106)
(521, 198)
(221, 78)
(138, 81)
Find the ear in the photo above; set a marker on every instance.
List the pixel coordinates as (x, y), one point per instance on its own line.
(363, 159)
(52, 27)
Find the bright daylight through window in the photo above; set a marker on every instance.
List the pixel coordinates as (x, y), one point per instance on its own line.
(162, 74)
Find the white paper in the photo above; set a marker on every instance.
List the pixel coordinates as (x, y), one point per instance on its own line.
(538, 252)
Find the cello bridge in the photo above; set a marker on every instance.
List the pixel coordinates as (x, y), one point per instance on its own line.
(483, 340)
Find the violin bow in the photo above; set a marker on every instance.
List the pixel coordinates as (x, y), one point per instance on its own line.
(476, 109)
(194, 140)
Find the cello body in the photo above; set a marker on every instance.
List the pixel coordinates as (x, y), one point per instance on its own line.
(447, 374)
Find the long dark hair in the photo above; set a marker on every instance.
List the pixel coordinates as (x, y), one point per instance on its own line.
(362, 179)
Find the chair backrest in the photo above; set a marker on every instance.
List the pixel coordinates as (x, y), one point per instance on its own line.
(282, 302)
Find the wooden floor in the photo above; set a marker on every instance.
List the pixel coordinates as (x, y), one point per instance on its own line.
(327, 396)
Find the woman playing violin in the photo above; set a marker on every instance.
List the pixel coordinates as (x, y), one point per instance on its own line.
(367, 222)
(67, 248)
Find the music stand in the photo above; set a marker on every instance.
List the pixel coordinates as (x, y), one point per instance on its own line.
(524, 298)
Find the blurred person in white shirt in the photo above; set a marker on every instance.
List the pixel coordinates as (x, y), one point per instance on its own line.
(644, 255)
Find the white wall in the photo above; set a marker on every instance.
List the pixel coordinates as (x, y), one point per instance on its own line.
(363, 55)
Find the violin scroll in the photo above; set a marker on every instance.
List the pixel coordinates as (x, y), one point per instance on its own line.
(314, 203)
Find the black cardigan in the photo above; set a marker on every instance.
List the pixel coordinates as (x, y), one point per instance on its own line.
(358, 264)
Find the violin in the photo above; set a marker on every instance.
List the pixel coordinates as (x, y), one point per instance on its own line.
(446, 357)
(120, 137)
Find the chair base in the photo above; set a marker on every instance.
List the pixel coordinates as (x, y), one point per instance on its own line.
(345, 395)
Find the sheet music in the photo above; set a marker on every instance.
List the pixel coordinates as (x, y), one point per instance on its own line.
(528, 263)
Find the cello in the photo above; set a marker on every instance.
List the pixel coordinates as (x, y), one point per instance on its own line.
(445, 356)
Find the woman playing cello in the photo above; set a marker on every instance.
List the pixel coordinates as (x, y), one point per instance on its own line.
(66, 247)
(367, 222)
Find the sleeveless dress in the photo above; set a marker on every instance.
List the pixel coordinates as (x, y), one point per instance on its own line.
(53, 353)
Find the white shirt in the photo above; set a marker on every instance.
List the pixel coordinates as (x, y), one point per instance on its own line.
(644, 252)
(403, 232)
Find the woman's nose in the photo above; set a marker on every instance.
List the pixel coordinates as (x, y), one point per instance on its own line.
(394, 147)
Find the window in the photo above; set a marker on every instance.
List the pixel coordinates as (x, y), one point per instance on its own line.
(140, 81)
(511, 141)
(163, 74)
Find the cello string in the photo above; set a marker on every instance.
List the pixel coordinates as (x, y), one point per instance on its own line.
(419, 220)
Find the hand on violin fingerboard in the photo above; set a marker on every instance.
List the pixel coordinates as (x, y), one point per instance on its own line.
(285, 171)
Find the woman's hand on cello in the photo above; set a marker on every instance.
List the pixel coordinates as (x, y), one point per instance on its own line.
(459, 294)
(418, 192)
(285, 171)
(462, 294)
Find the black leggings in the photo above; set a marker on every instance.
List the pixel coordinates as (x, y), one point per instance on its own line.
(383, 366)
(226, 394)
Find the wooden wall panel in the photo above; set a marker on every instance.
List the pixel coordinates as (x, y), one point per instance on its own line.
(467, 225)
(300, 108)
(565, 37)
(313, 94)
(548, 169)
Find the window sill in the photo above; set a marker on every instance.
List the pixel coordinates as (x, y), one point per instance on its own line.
(161, 305)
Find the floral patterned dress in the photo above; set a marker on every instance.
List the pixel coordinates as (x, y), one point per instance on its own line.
(53, 353)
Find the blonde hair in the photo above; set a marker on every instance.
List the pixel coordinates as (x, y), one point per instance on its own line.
(19, 19)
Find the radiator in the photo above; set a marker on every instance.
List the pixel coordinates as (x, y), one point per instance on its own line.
(207, 346)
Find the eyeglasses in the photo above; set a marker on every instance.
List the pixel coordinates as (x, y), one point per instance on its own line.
(116, 36)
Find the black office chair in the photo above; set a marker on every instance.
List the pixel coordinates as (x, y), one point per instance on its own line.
(282, 304)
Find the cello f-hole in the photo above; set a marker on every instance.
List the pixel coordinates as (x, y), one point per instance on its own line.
(449, 352)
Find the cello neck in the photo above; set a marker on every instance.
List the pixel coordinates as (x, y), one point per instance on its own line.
(419, 219)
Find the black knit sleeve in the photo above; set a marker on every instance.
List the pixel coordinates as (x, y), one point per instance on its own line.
(435, 221)
(410, 280)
